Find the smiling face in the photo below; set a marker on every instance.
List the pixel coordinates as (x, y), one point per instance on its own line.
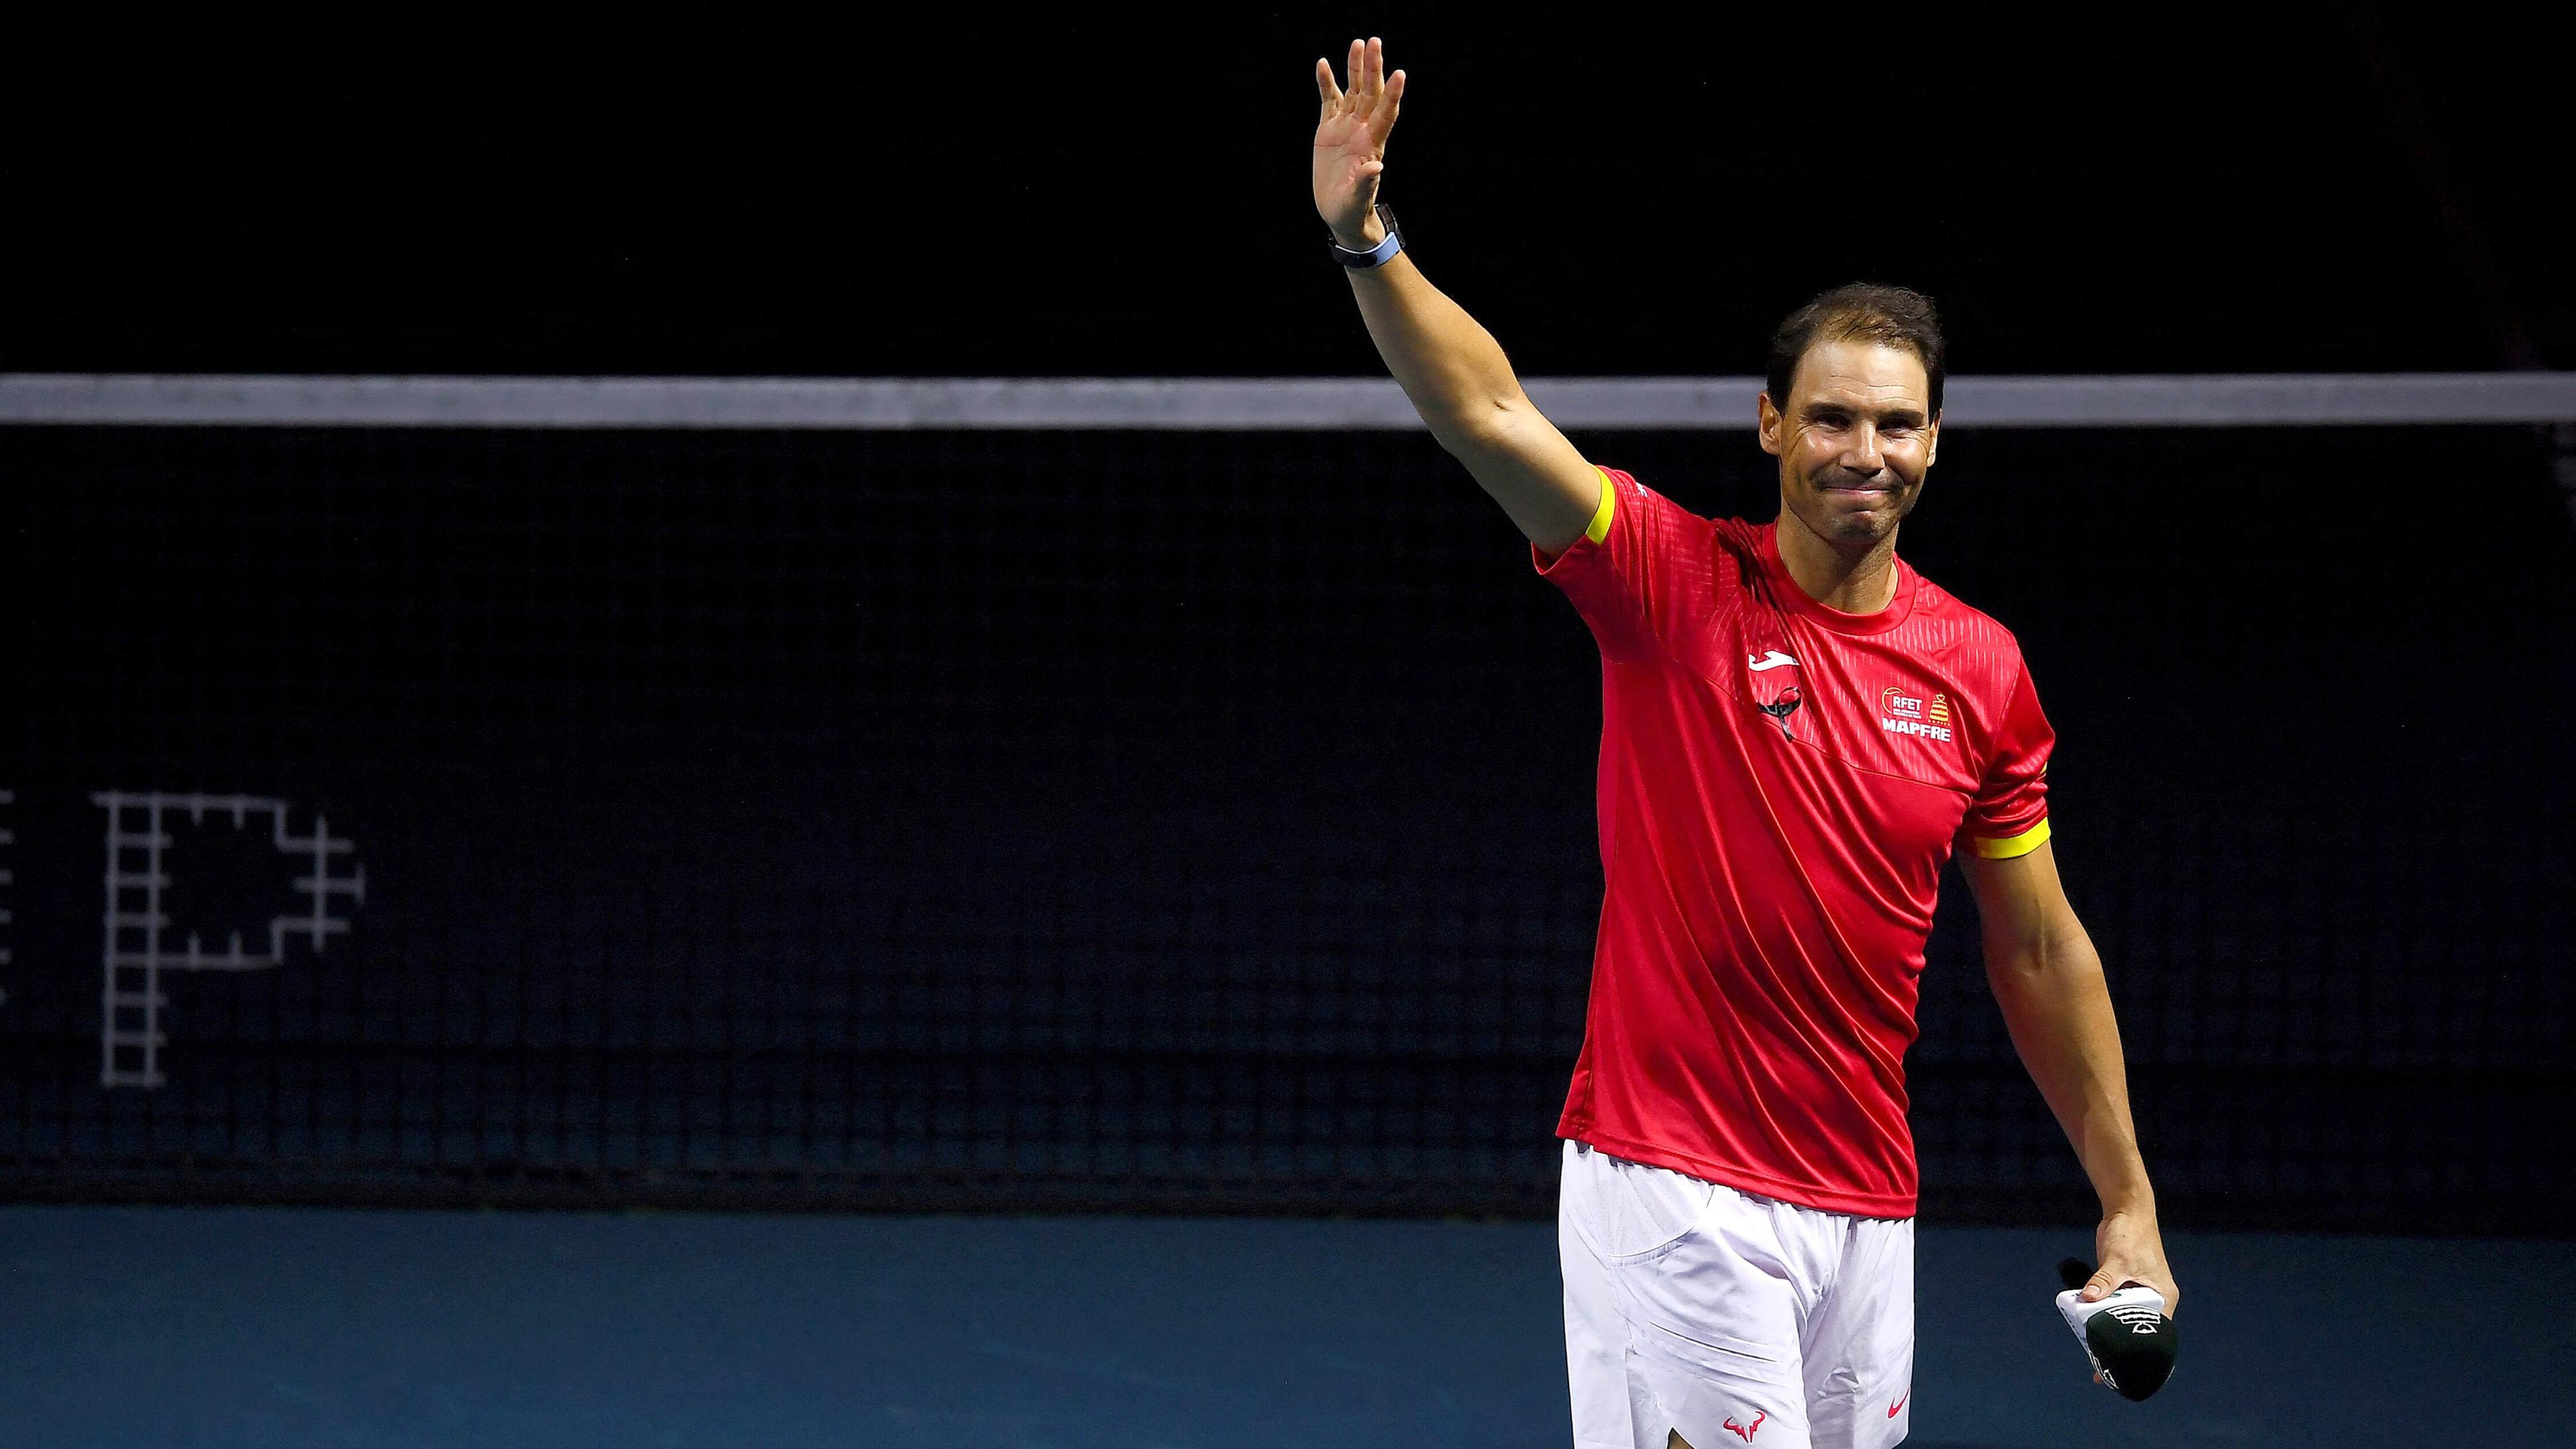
(1854, 438)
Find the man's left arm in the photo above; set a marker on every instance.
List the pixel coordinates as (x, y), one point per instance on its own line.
(2049, 983)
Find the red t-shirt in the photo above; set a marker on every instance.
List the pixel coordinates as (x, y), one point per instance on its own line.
(1780, 784)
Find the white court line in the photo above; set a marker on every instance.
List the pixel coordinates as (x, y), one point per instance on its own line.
(1232, 404)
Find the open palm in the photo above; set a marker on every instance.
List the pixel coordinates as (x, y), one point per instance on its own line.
(1350, 139)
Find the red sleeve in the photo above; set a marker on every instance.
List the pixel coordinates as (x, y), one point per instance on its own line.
(1637, 572)
(2009, 817)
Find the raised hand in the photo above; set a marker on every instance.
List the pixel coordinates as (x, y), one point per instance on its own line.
(1350, 142)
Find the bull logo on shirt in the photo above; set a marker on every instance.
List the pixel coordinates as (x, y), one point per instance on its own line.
(1780, 709)
(1772, 675)
(1747, 1431)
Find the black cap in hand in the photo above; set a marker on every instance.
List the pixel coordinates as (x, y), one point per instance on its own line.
(2126, 1334)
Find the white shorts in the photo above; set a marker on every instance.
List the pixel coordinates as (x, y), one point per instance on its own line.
(1729, 1318)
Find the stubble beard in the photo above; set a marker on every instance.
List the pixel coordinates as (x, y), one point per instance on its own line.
(1862, 528)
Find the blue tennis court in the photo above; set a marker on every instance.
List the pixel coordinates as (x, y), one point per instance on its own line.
(212, 1328)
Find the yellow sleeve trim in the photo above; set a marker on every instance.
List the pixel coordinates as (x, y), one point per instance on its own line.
(1599, 528)
(2011, 845)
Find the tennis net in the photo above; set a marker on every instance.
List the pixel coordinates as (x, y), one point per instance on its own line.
(1194, 818)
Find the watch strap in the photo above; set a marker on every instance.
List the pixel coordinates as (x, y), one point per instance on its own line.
(1378, 255)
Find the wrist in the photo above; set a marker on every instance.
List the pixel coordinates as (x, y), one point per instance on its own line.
(2136, 1202)
(1381, 236)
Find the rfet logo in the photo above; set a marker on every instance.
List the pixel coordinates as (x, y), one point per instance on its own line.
(1906, 712)
(1747, 1431)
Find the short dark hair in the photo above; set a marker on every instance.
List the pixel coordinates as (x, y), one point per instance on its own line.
(1859, 312)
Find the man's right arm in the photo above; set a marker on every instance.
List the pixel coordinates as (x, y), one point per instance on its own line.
(1450, 367)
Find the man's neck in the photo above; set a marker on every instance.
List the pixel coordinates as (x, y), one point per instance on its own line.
(1855, 581)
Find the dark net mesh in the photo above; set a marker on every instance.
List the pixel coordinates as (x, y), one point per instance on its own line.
(1195, 821)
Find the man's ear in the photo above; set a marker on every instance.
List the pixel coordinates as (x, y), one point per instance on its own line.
(1932, 441)
(1766, 423)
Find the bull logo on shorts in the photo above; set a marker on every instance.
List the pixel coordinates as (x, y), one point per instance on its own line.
(1746, 1431)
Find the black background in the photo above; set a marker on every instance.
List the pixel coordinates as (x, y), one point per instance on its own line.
(1125, 192)
(1195, 820)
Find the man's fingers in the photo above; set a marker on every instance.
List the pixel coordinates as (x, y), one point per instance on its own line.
(2164, 1289)
(2112, 1278)
(1357, 70)
(1383, 119)
(1324, 86)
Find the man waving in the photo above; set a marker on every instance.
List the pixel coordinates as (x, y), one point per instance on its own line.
(1798, 732)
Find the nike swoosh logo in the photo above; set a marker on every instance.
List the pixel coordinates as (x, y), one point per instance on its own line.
(1899, 1404)
(1773, 660)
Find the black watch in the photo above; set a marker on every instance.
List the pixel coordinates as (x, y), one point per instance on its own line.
(1374, 256)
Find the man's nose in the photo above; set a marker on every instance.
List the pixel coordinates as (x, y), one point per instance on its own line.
(1861, 454)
